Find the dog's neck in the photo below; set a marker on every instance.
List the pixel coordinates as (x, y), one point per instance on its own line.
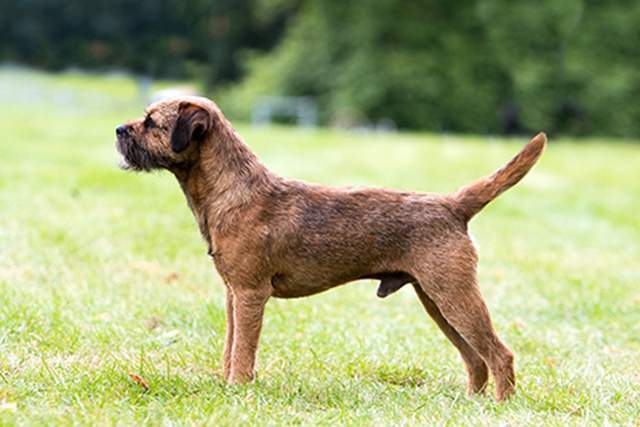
(225, 178)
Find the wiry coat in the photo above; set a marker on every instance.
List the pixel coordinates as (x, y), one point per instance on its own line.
(271, 236)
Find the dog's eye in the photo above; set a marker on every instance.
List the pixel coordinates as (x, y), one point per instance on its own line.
(149, 123)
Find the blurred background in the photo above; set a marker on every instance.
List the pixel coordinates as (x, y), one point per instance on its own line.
(571, 67)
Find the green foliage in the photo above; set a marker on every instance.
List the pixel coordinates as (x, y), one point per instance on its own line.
(167, 38)
(466, 66)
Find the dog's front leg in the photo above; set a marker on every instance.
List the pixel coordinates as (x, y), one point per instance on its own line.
(248, 310)
(228, 341)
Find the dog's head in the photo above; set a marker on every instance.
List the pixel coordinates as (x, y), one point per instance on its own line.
(169, 135)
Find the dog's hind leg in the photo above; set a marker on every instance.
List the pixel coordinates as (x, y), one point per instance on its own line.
(448, 277)
(476, 368)
(248, 310)
(459, 300)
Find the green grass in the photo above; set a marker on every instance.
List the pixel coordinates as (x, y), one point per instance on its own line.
(103, 272)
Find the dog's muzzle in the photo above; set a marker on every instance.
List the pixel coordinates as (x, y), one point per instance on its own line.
(124, 145)
(134, 156)
(121, 132)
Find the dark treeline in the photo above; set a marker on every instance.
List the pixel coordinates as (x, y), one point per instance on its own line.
(500, 66)
(161, 38)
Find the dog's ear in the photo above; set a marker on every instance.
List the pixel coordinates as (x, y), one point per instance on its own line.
(192, 124)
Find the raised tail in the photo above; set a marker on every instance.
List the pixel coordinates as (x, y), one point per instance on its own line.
(470, 199)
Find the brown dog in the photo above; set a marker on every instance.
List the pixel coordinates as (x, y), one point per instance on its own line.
(270, 236)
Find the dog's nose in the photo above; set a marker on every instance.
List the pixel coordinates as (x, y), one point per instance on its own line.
(122, 130)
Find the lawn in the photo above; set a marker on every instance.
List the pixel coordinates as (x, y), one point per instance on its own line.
(103, 273)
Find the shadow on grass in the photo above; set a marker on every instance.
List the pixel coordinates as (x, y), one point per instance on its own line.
(404, 377)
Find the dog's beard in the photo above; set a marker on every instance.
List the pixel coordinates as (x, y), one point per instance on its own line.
(123, 164)
(137, 158)
(134, 157)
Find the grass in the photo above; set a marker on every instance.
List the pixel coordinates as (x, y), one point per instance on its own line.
(103, 273)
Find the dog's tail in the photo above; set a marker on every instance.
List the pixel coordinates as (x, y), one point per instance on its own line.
(470, 199)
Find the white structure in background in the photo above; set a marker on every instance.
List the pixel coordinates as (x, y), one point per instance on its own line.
(302, 108)
(172, 92)
(385, 125)
(148, 97)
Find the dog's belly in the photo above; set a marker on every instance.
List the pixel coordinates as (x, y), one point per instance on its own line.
(285, 286)
(292, 286)
(298, 291)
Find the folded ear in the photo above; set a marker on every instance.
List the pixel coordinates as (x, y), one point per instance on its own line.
(192, 124)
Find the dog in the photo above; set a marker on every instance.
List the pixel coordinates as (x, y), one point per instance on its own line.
(274, 237)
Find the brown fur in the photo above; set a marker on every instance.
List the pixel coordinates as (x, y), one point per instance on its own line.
(270, 236)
